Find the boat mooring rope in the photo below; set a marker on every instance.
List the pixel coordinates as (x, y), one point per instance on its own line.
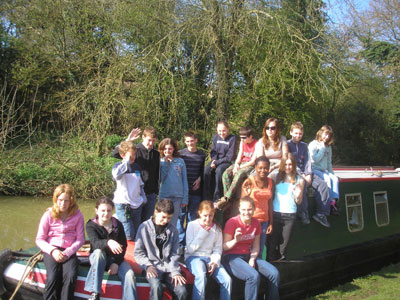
(38, 256)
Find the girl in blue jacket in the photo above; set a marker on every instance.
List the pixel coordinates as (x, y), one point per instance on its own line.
(173, 179)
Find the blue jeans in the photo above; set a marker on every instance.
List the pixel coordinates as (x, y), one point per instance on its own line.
(198, 267)
(263, 237)
(130, 219)
(237, 265)
(177, 209)
(321, 195)
(157, 288)
(99, 261)
(332, 182)
(148, 208)
(212, 185)
(189, 213)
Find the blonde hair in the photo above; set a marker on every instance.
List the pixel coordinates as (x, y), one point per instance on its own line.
(73, 207)
(150, 131)
(297, 125)
(126, 146)
(325, 128)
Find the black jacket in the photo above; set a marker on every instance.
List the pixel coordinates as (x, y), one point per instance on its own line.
(99, 236)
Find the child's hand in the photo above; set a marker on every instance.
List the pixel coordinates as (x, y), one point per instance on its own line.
(134, 134)
(113, 269)
(238, 234)
(196, 184)
(297, 191)
(235, 169)
(213, 166)
(151, 272)
(252, 262)
(247, 188)
(178, 279)
(211, 267)
(58, 256)
(269, 229)
(114, 246)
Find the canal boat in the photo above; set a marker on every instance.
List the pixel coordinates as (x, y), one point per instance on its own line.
(363, 238)
(13, 267)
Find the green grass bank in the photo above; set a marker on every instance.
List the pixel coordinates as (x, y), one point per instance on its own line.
(380, 285)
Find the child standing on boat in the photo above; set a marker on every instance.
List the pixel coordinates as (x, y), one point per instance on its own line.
(203, 253)
(321, 161)
(173, 177)
(60, 234)
(241, 245)
(148, 159)
(129, 196)
(222, 153)
(289, 188)
(261, 189)
(107, 247)
(156, 251)
(321, 192)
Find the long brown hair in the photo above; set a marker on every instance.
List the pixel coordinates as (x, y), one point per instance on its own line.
(73, 206)
(325, 128)
(282, 173)
(277, 136)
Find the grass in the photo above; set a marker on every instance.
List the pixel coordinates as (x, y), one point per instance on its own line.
(384, 284)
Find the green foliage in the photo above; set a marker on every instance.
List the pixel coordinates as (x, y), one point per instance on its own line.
(37, 170)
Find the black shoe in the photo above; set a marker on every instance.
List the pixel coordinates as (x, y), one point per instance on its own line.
(94, 296)
(322, 220)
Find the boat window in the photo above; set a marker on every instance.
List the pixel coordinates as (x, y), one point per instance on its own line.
(354, 212)
(381, 208)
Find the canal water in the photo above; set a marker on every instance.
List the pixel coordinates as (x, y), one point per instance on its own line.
(20, 216)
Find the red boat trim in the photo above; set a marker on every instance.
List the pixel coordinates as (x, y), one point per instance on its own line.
(368, 179)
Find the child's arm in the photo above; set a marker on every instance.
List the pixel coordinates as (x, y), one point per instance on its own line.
(185, 199)
(43, 234)
(255, 248)
(271, 209)
(120, 169)
(173, 264)
(298, 191)
(238, 158)
(140, 252)
(330, 170)
(247, 186)
(258, 151)
(317, 151)
(80, 238)
(213, 152)
(217, 248)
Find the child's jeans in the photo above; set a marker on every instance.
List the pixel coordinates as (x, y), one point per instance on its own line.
(189, 213)
(232, 182)
(331, 180)
(238, 266)
(99, 261)
(130, 219)
(157, 288)
(198, 267)
(213, 191)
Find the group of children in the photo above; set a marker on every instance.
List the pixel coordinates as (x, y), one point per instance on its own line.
(276, 174)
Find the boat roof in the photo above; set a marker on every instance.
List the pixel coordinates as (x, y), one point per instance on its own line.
(366, 173)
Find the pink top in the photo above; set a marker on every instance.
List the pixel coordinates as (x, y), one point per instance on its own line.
(53, 233)
(249, 232)
(248, 150)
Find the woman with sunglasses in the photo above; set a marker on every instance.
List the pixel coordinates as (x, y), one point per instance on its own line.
(272, 145)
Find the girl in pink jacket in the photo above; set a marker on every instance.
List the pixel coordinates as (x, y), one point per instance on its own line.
(60, 234)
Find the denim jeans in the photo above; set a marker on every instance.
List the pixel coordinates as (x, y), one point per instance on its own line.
(198, 267)
(148, 208)
(130, 219)
(189, 213)
(237, 265)
(332, 182)
(263, 237)
(99, 261)
(157, 288)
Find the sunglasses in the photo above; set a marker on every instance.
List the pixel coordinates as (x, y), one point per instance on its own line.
(270, 128)
(243, 137)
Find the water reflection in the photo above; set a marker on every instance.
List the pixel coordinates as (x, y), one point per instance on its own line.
(20, 216)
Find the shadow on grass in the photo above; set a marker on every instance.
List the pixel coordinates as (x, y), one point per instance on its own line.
(336, 292)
